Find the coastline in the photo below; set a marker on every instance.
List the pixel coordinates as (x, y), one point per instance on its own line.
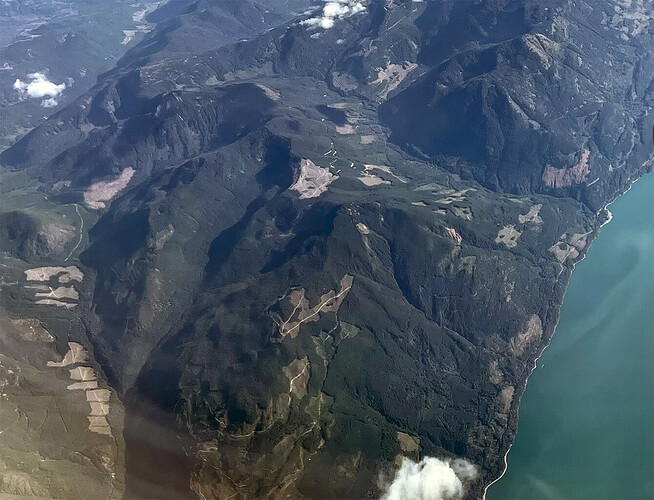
(595, 234)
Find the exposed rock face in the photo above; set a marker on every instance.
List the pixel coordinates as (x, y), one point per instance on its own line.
(532, 215)
(508, 235)
(292, 285)
(565, 177)
(391, 77)
(62, 274)
(302, 312)
(313, 180)
(101, 192)
(26, 238)
(57, 235)
(532, 333)
(298, 375)
(48, 420)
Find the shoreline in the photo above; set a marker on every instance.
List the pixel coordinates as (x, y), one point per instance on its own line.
(629, 185)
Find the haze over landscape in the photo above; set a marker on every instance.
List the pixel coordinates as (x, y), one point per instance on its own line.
(314, 249)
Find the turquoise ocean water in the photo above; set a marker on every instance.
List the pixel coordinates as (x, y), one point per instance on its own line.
(586, 425)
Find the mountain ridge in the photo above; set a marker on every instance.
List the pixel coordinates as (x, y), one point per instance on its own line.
(252, 207)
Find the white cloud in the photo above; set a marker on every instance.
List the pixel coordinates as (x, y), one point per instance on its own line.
(39, 86)
(430, 479)
(50, 102)
(333, 10)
